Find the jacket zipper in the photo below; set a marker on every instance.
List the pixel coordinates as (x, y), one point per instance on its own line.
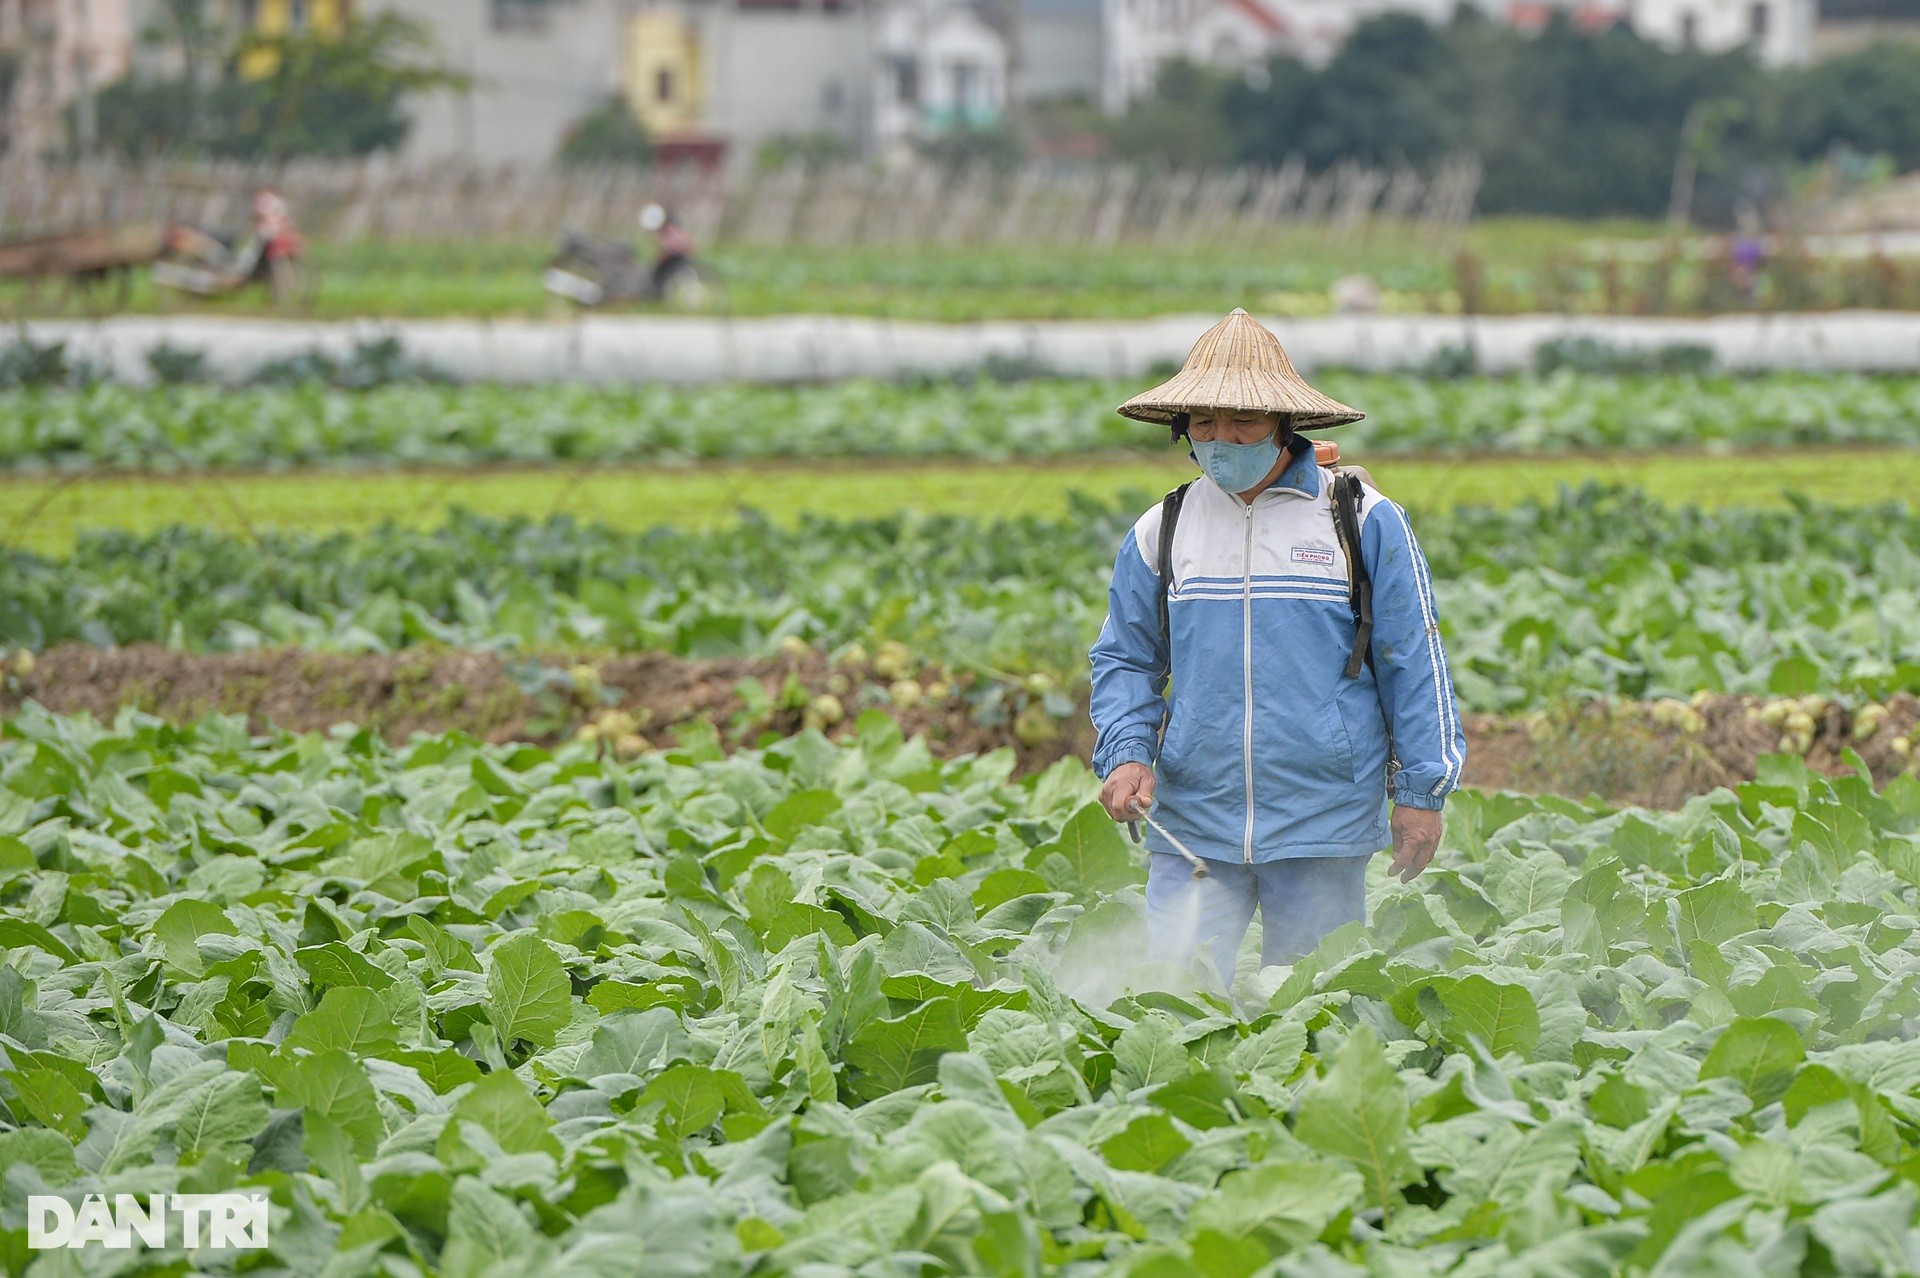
(1246, 672)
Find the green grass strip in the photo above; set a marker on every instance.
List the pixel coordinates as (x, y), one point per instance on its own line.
(45, 514)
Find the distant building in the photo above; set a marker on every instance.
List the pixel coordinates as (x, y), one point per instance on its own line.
(708, 78)
(1141, 36)
(942, 66)
(53, 55)
(1056, 51)
(1848, 24)
(868, 76)
(1780, 32)
(1585, 15)
(534, 67)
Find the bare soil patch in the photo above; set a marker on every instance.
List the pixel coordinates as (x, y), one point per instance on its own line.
(1625, 752)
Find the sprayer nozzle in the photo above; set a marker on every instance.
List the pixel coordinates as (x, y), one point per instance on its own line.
(1200, 872)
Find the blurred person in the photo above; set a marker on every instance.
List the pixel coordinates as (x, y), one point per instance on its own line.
(1303, 697)
(673, 246)
(1746, 255)
(277, 241)
(269, 252)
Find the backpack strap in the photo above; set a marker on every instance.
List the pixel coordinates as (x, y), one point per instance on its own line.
(1347, 498)
(1163, 559)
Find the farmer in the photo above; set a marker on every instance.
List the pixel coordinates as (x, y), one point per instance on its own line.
(673, 247)
(1289, 725)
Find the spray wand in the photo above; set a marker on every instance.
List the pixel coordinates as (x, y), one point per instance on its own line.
(1137, 804)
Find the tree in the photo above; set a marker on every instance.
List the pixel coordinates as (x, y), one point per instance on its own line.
(332, 95)
(965, 146)
(1383, 99)
(814, 148)
(1564, 121)
(140, 118)
(608, 134)
(327, 94)
(1181, 123)
(1867, 100)
(1594, 122)
(185, 26)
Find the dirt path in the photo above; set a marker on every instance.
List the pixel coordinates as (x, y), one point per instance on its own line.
(1655, 755)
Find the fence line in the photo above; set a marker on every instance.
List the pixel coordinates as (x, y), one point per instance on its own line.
(830, 205)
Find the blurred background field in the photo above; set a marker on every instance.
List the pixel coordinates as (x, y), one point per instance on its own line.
(1285, 272)
(1494, 265)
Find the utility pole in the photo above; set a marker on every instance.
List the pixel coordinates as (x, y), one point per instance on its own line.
(1686, 167)
(85, 117)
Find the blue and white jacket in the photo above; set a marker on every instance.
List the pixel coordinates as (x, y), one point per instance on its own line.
(1270, 751)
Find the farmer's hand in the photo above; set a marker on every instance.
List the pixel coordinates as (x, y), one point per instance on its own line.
(1416, 834)
(1126, 784)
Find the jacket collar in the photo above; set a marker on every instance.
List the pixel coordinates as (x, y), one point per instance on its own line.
(1303, 474)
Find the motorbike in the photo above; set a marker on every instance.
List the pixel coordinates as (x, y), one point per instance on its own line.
(589, 270)
(196, 260)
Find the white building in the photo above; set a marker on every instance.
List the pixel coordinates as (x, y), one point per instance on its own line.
(1780, 32)
(1138, 37)
(942, 66)
(1236, 36)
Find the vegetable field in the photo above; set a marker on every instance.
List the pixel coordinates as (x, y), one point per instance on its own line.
(1599, 592)
(183, 428)
(719, 970)
(845, 1008)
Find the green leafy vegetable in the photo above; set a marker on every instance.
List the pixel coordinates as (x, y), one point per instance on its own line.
(448, 1035)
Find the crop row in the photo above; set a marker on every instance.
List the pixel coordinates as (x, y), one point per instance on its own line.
(174, 428)
(1597, 592)
(462, 1010)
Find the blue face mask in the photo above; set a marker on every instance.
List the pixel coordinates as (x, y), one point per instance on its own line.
(1236, 467)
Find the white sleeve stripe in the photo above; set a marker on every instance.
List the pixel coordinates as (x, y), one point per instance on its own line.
(1445, 673)
(1443, 677)
(1442, 680)
(1436, 655)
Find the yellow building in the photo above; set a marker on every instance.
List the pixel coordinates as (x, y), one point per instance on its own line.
(281, 19)
(662, 72)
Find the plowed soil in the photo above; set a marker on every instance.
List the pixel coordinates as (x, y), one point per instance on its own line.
(1625, 753)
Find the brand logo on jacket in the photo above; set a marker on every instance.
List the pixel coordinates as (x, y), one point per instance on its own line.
(1312, 555)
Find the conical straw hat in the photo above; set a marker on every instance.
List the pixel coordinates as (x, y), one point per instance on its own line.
(1238, 363)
